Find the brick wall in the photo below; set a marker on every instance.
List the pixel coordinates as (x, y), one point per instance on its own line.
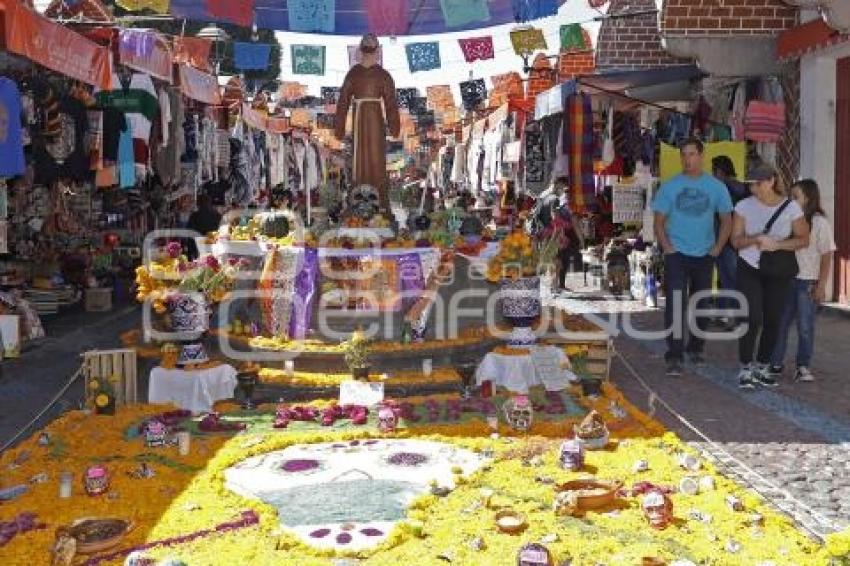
(577, 61)
(701, 18)
(633, 42)
(540, 77)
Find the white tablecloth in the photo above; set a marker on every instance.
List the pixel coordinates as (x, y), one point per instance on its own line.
(517, 373)
(194, 390)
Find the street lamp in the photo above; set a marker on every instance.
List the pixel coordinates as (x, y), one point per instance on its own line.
(218, 37)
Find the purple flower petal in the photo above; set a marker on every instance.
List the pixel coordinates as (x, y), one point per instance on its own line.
(371, 532)
(299, 465)
(320, 533)
(343, 538)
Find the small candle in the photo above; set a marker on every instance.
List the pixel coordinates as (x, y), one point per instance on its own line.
(184, 442)
(65, 481)
(427, 367)
(289, 368)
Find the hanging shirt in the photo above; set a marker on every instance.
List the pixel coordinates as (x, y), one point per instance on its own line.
(138, 100)
(11, 142)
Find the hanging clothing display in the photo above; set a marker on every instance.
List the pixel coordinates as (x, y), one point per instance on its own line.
(578, 144)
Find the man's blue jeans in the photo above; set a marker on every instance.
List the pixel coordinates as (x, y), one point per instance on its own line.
(727, 268)
(802, 307)
(683, 276)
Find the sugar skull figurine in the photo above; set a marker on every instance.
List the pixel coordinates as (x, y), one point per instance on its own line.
(96, 480)
(519, 413)
(387, 419)
(657, 508)
(155, 431)
(534, 554)
(571, 455)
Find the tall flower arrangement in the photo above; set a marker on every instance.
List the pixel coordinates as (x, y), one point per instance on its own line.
(173, 274)
(520, 256)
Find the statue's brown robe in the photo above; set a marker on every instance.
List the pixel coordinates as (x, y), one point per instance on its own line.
(370, 130)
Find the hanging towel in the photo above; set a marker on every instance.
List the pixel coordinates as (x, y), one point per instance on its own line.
(578, 145)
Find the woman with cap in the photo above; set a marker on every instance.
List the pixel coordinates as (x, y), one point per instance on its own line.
(766, 222)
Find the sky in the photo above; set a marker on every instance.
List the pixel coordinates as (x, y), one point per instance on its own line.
(453, 70)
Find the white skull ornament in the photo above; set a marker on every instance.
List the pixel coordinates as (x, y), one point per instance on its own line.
(387, 419)
(519, 413)
(571, 456)
(658, 509)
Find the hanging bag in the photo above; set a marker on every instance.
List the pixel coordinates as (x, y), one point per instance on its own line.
(764, 121)
(781, 264)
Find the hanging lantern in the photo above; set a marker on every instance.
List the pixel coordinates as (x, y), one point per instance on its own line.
(519, 413)
(96, 480)
(658, 509)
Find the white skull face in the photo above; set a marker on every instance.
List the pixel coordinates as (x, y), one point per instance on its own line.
(571, 455)
(519, 414)
(387, 419)
(657, 509)
(348, 495)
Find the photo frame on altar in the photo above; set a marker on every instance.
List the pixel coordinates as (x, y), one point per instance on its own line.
(330, 94)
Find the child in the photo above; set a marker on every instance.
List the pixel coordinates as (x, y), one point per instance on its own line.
(815, 261)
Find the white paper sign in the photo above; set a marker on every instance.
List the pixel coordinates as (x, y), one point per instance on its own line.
(628, 202)
(549, 365)
(362, 393)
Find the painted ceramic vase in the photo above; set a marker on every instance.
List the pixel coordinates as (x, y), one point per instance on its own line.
(521, 300)
(189, 313)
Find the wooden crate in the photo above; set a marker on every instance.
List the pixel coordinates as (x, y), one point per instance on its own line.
(597, 352)
(119, 363)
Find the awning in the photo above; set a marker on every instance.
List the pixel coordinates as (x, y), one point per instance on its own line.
(663, 84)
(54, 46)
(806, 38)
(351, 17)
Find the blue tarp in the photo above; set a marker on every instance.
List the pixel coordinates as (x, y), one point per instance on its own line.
(426, 17)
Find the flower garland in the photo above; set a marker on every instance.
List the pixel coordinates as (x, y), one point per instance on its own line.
(409, 378)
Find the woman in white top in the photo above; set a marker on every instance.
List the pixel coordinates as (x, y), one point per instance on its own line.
(765, 295)
(815, 261)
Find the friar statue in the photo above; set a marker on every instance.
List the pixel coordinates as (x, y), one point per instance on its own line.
(369, 91)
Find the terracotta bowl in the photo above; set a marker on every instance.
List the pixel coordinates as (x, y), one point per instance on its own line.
(510, 522)
(88, 542)
(591, 493)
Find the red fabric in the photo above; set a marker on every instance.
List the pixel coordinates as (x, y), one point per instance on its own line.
(477, 48)
(240, 12)
(193, 50)
(387, 17)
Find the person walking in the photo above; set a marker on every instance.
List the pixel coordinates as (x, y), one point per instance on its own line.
(809, 287)
(727, 262)
(685, 210)
(766, 222)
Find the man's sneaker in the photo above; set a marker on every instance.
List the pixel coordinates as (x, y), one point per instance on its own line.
(803, 374)
(696, 358)
(745, 378)
(775, 371)
(761, 375)
(674, 368)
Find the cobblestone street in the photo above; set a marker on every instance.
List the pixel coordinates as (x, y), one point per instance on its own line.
(792, 444)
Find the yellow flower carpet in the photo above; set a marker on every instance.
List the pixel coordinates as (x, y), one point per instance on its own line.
(187, 495)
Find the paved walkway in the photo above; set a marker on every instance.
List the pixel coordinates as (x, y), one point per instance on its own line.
(791, 442)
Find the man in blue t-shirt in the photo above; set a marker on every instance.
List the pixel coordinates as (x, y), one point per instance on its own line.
(685, 210)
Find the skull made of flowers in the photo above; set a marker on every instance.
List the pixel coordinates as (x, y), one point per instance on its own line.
(348, 495)
(519, 413)
(387, 419)
(657, 508)
(571, 455)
